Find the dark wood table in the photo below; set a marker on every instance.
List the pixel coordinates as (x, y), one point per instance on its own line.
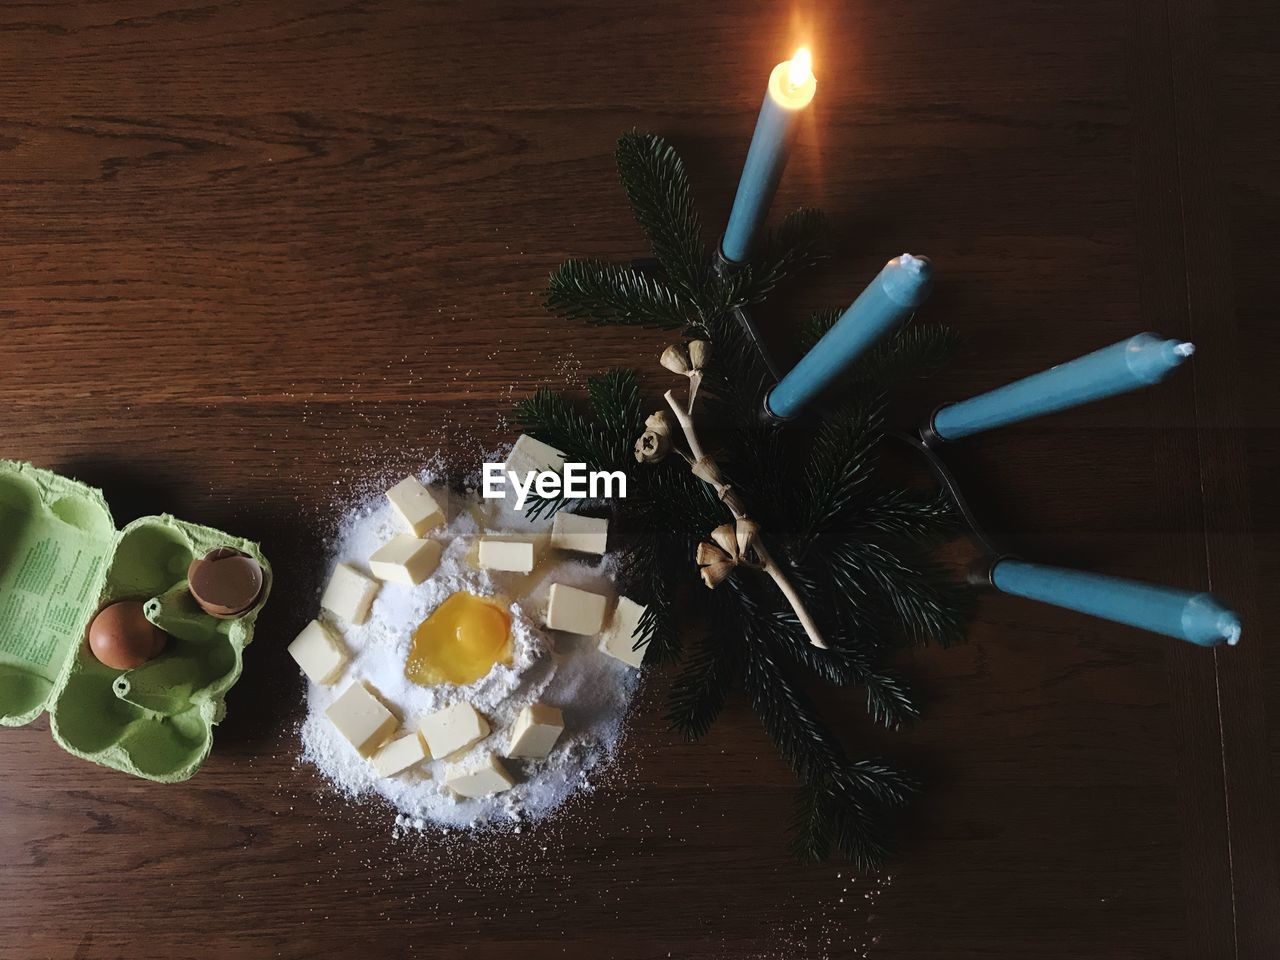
(254, 253)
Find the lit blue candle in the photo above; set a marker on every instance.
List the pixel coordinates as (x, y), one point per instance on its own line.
(891, 297)
(791, 88)
(1127, 365)
(1194, 617)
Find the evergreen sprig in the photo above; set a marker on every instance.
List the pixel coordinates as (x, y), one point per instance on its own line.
(854, 546)
(603, 293)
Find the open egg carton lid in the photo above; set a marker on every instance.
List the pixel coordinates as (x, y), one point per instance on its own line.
(61, 560)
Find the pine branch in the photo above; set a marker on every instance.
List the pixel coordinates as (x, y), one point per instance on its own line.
(857, 834)
(603, 293)
(888, 696)
(927, 607)
(812, 823)
(795, 245)
(816, 327)
(889, 700)
(614, 397)
(657, 185)
(846, 799)
(549, 417)
(699, 692)
(790, 721)
(914, 350)
(840, 465)
(915, 515)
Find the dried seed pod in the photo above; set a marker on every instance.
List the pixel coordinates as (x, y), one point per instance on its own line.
(706, 470)
(746, 532)
(675, 358)
(699, 352)
(729, 497)
(709, 553)
(724, 536)
(658, 422)
(653, 446)
(715, 574)
(695, 381)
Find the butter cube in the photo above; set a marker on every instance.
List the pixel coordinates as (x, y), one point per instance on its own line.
(416, 506)
(349, 594)
(406, 560)
(574, 610)
(513, 554)
(488, 778)
(618, 638)
(533, 455)
(319, 653)
(362, 718)
(580, 534)
(453, 729)
(399, 755)
(536, 731)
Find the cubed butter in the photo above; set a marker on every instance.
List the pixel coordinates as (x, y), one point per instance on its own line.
(574, 610)
(529, 454)
(416, 506)
(620, 636)
(535, 731)
(406, 560)
(480, 781)
(349, 594)
(319, 653)
(362, 718)
(513, 554)
(579, 534)
(453, 729)
(399, 755)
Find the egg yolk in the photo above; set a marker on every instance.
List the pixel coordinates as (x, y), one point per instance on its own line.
(460, 642)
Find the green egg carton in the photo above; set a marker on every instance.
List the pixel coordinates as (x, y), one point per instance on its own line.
(62, 560)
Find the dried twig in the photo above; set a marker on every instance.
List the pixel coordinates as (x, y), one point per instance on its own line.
(706, 469)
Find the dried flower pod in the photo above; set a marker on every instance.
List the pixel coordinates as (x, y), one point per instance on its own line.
(729, 497)
(715, 574)
(653, 446)
(658, 422)
(727, 540)
(699, 352)
(706, 470)
(709, 553)
(676, 359)
(746, 532)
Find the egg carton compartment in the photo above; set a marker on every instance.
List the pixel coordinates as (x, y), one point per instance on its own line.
(57, 538)
(65, 564)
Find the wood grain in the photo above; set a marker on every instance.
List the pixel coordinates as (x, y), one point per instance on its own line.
(258, 256)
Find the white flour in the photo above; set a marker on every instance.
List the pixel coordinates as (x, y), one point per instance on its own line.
(593, 690)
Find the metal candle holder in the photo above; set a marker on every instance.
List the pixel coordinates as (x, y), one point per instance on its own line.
(1196, 618)
(924, 444)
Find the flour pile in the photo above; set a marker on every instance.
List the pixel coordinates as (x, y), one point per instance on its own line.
(592, 689)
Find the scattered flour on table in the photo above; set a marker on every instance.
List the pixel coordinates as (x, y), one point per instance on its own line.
(592, 689)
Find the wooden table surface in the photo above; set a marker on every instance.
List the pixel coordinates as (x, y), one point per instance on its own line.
(254, 253)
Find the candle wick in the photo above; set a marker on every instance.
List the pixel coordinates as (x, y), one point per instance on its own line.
(1230, 630)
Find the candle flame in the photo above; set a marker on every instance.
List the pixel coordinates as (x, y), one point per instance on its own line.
(800, 68)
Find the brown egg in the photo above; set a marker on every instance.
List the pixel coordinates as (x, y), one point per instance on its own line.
(122, 638)
(225, 582)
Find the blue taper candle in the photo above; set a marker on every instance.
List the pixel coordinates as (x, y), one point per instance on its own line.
(1194, 617)
(791, 88)
(889, 299)
(1137, 362)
